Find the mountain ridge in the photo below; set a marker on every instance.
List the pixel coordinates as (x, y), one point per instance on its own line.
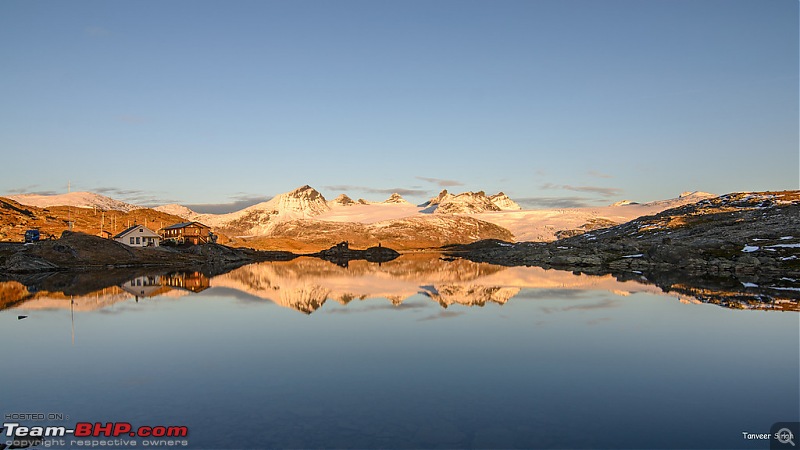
(78, 199)
(307, 204)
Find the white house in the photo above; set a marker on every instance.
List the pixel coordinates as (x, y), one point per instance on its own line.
(139, 236)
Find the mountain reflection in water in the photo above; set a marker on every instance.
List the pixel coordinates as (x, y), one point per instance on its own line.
(305, 284)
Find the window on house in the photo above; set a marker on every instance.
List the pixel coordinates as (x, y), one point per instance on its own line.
(131, 241)
(138, 240)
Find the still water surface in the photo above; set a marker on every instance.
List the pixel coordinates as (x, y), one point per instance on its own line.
(306, 354)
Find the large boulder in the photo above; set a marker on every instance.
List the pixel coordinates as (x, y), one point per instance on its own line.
(22, 262)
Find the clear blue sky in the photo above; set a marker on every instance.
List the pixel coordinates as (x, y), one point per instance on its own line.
(554, 102)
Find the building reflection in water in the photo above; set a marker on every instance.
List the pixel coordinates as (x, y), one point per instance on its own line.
(190, 281)
(145, 286)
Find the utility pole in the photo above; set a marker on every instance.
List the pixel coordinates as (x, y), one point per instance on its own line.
(69, 208)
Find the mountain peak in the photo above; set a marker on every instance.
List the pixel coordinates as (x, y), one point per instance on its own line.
(343, 200)
(436, 200)
(502, 201)
(305, 191)
(396, 199)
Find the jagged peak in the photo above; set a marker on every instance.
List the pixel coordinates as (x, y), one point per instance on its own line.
(504, 202)
(436, 200)
(305, 191)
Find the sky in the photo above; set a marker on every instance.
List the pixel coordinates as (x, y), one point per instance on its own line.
(557, 103)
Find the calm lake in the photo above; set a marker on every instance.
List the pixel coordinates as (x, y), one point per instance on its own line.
(415, 353)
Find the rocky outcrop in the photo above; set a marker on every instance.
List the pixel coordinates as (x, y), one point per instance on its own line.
(25, 263)
(342, 254)
(591, 225)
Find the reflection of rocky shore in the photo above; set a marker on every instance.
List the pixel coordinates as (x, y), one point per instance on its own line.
(306, 284)
(45, 294)
(342, 254)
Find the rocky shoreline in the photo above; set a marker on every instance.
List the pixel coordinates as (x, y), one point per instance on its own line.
(81, 252)
(75, 252)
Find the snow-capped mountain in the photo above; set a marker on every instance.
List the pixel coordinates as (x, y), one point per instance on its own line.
(504, 202)
(466, 203)
(396, 199)
(469, 203)
(178, 210)
(302, 203)
(76, 199)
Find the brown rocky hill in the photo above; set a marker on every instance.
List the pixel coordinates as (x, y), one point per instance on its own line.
(15, 218)
(401, 234)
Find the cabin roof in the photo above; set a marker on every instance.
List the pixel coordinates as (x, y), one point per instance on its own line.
(131, 228)
(184, 225)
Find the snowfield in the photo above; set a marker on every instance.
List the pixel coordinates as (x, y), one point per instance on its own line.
(373, 213)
